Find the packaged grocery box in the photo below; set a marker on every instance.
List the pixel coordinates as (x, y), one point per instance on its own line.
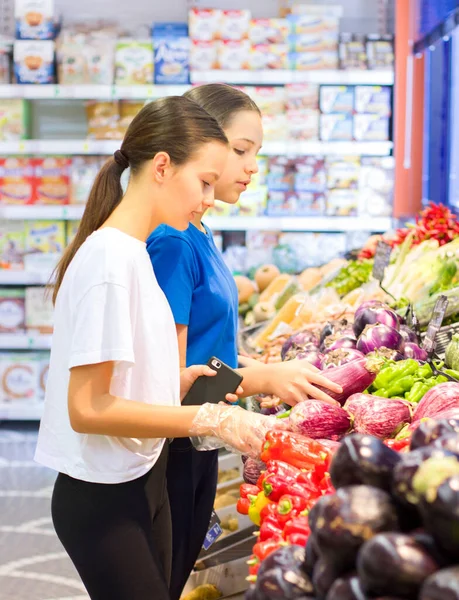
(336, 127)
(252, 202)
(6, 63)
(34, 61)
(337, 99)
(311, 204)
(16, 180)
(259, 178)
(303, 124)
(323, 10)
(18, 377)
(233, 55)
(44, 244)
(205, 24)
(302, 96)
(311, 61)
(83, 171)
(343, 172)
(12, 244)
(219, 209)
(203, 55)
(14, 119)
(39, 310)
(310, 174)
(281, 165)
(380, 51)
(51, 182)
(12, 310)
(313, 42)
(235, 24)
(43, 370)
(281, 204)
(275, 128)
(343, 203)
(373, 99)
(172, 53)
(376, 186)
(35, 19)
(134, 62)
(312, 24)
(103, 120)
(269, 99)
(128, 110)
(371, 128)
(268, 56)
(352, 51)
(268, 31)
(71, 230)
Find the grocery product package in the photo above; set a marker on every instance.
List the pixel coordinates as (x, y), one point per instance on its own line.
(380, 51)
(376, 186)
(371, 128)
(232, 55)
(343, 172)
(275, 128)
(35, 19)
(171, 53)
(310, 175)
(43, 370)
(19, 377)
(343, 202)
(336, 99)
(352, 52)
(205, 24)
(268, 56)
(103, 120)
(134, 62)
(12, 310)
(234, 24)
(302, 96)
(128, 109)
(253, 202)
(6, 62)
(83, 172)
(268, 31)
(16, 180)
(336, 127)
(281, 173)
(14, 119)
(303, 124)
(269, 99)
(203, 55)
(39, 310)
(312, 61)
(12, 244)
(373, 99)
(282, 203)
(51, 180)
(44, 244)
(71, 230)
(34, 61)
(320, 41)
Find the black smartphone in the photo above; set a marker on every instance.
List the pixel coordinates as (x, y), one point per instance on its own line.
(213, 389)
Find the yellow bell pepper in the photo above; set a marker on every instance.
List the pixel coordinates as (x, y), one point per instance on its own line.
(257, 504)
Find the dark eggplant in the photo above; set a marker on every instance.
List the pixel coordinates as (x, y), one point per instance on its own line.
(406, 469)
(394, 563)
(441, 516)
(311, 555)
(427, 541)
(298, 341)
(252, 470)
(346, 519)
(347, 588)
(408, 334)
(284, 582)
(363, 459)
(251, 593)
(313, 516)
(429, 430)
(287, 556)
(442, 585)
(338, 341)
(325, 574)
(449, 441)
(327, 330)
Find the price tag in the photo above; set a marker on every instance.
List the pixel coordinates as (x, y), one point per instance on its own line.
(434, 325)
(382, 259)
(214, 531)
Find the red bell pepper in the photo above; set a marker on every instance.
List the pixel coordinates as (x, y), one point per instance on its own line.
(270, 529)
(298, 539)
(247, 490)
(297, 525)
(290, 507)
(263, 549)
(254, 564)
(269, 509)
(294, 449)
(275, 486)
(302, 490)
(279, 467)
(243, 505)
(401, 445)
(326, 486)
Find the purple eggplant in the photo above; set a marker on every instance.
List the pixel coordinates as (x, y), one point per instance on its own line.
(442, 585)
(408, 334)
(387, 354)
(370, 315)
(252, 470)
(354, 377)
(378, 336)
(430, 430)
(412, 350)
(337, 358)
(449, 441)
(394, 563)
(311, 555)
(382, 417)
(339, 342)
(298, 352)
(317, 419)
(438, 399)
(325, 574)
(315, 358)
(347, 588)
(285, 581)
(363, 459)
(287, 556)
(299, 340)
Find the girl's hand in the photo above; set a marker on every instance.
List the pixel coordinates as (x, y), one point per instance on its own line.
(296, 380)
(189, 376)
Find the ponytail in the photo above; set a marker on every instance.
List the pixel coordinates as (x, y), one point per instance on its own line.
(106, 193)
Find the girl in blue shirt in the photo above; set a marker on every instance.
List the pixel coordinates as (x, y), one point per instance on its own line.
(204, 301)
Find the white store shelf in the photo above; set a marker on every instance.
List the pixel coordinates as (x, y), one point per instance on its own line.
(282, 77)
(90, 92)
(279, 148)
(71, 212)
(8, 277)
(21, 411)
(318, 224)
(24, 341)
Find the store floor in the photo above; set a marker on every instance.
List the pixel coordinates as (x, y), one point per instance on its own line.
(33, 564)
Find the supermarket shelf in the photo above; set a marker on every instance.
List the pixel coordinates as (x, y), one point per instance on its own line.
(107, 147)
(24, 341)
(90, 92)
(281, 77)
(8, 277)
(32, 212)
(21, 412)
(319, 224)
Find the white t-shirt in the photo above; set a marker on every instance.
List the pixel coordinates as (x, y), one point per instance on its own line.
(109, 308)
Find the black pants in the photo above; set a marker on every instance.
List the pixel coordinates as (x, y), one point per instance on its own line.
(191, 484)
(117, 535)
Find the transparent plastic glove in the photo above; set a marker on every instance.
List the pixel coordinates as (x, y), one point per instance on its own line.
(217, 426)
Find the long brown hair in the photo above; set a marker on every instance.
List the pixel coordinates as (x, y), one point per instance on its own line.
(175, 125)
(221, 101)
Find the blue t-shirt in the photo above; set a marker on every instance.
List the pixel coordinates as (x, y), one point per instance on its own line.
(200, 289)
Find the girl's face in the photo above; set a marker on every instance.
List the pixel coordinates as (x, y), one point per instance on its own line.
(245, 135)
(190, 188)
